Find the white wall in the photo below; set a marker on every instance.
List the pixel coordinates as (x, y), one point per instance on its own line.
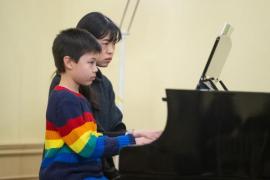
(28, 28)
(168, 47)
(171, 41)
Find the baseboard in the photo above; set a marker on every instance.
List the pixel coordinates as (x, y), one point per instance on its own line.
(20, 161)
(20, 149)
(22, 177)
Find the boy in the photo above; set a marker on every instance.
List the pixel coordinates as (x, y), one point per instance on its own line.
(73, 147)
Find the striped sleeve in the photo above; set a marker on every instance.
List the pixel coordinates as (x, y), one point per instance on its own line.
(78, 130)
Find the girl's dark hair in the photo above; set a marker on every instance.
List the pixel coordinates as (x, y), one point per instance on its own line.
(73, 43)
(100, 26)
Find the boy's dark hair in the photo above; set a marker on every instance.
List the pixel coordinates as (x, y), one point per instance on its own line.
(100, 26)
(73, 43)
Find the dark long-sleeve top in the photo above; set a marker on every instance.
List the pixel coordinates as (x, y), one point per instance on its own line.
(108, 115)
(73, 147)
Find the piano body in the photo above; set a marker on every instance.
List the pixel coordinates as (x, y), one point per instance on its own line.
(209, 135)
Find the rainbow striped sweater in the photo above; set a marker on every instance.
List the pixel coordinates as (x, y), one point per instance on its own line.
(73, 147)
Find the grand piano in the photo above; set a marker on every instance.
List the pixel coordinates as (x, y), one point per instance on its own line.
(209, 135)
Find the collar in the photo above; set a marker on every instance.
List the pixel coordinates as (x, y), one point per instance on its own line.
(98, 75)
(61, 88)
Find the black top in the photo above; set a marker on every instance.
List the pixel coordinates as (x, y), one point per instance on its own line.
(108, 114)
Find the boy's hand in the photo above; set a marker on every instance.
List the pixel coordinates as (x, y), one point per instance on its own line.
(152, 135)
(142, 141)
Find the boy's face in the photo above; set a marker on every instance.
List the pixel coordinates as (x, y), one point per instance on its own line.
(107, 51)
(84, 71)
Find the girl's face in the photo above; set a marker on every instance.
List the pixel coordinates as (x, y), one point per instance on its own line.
(107, 51)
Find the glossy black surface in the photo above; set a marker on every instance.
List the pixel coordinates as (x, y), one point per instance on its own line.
(209, 135)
